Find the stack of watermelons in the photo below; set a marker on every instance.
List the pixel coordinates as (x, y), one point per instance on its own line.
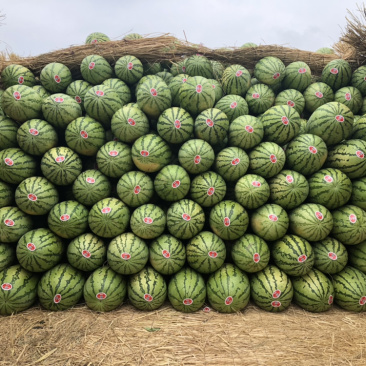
(194, 181)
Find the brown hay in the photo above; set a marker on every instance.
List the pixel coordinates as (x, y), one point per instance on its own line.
(80, 337)
(167, 48)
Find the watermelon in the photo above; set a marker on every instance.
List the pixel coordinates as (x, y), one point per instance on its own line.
(271, 289)
(270, 222)
(337, 74)
(292, 98)
(104, 290)
(288, 189)
(175, 125)
(147, 289)
(325, 51)
(150, 153)
(330, 188)
(245, 132)
(86, 252)
(96, 37)
(249, 45)
(55, 77)
(196, 156)
(250, 253)
(196, 95)
(129, 123)
(109, 217)
(259, 97)
(199, 65)
(313, 291)
(36, 136)
(219, 92)
(121, 88)
(229, 220)
(148, 221)
(206, 252)
(331, 255)
(39, 250)
(187, 291)
(357, 256)
(359, 128)
(350, 289)
(18, 290)
(68, 219)
(13, 224)
(129, 69)
(306, 154)
(316, 95)
(269, 70)
(167, 254)
(232, 163)
(17, 75)
(77, 90)
(127, 254)
(8, 133)
(6, 194)
(95, 69)
(166, 76)
(7, 255)
(358, 196)
(41, 91)
(311, 221)
(21, 103)
(152, 68)
(358, 79)
(60, 288)
(233, 106)
(36, 196)
(266, 159)
(207, 189)
(61, 165)
(297, 76)
(174, 85)
(235, 80)
(349, 225)
(132, 36)
(179, 67)
(252, 191)
(228, 289)
(350, 97)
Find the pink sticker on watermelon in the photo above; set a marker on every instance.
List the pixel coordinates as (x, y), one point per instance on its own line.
(226, 221)
(165, 253)
(339, 118)
(65, 217)
(332, 256)
(33, 132)
(302, 258)
(176, 184)
(126, 256)
(20, 80)
(6, 286)
(289, 178)
(84, 134)
(211, 191)
(57, 78)
(9, 222)
(188, 301)
(235, 161)
(57, 298)
(276, 304)
(137, 190)
(32, 197)
(209, 122)
(197, 159)
(86, 254)
(285, 120)
(148, 220)
(276, 294)
(148, 298)
(199, 88)
(249, 129)
(131, 122)
(229, 300)
(177, 124)
(186, 217)
(8, 162)
(31, 247)
(256, 257)
(101, 295)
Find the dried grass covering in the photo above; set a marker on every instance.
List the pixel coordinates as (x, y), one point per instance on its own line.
(167, 48)
(80, 337)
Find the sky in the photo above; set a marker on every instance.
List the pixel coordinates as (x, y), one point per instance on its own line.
(33, 27)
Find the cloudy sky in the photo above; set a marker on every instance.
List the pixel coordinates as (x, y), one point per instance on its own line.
(39, 26)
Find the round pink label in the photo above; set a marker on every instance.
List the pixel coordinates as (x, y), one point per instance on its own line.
(348, 96)
(276, 75)
(130, 66)
(176, 184)
(302, 258)
(362, 300)
(239, 73)
(131, 122)
(233, 105)
(256, 257)
(313, 149)
(249, 129)
(273, 158)
(33, 132)
(290, 103)
(65, 217)
(9, 222)
(212, 254)
(353, 218)
(319, 94)
(285, 120)
(86, 254)
(31, 247)
(59, 159)
(126, 256)
(188, 301)
(332, 256)
(153, 92)
(276, 304)
(334, 71)
(276, 294)
(328, 178)
(148, 220)
(148, 298)
(206, 309)
(339, 118)
(101, 296)
(302, 70)
(209, 122)
(229, 300)
(20, 80)
(32, 197)
(59, 100)
(235, 161)
(330, 299)
(144, 153)
(273, 217)
(227, 221)
(186, 217)
(57, 79)
(8, 162)
(84, 134)
(177, 124)
(6, 286)
(256, 96)
(137, 190)
(319, 215)
(360, 154)
(165, 253)
(113, 153)
(256, 183)
(289, 178)
(90, 180)
(57, 299)
(91, 65)
(184, 79)
(211, 191)
(78, 99)
(99, 93)
(197, 159)
(199, 88)
(106, 210)
(94, 41)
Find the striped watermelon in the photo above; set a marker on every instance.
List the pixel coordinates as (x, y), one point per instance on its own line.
(199, 65)
(306, 154)
(206, 252)
(185, 219)
(36, 196)
(313, 291)
(266, 159)
(86, 252)
(60, 109)
(316, 95)
(232, 163)
(233, 106)
(187, 291)
(165, 75)
(18, 290)
(135, 188)
(269, 70)
(358, 197)
(17, 75)
(196, 156)
(95, 69)
(291, 97)
(207, 189)
(121, 88)
(297, 76)
(167, 254)
(350, 289)
(41, 91)
(293, 255)
(8, 133)
(219, 91)
(85, 136)
(250, 253)
(330, 255)
(337, 74)
(152, 68)
(13, 224)
(129, 69)
(60, 288)
(90, 187)
(68, 219)
(330, 188)
(127, 254)
(281, 124)
(39, 250)
(36, 136)
(150, 153)
(148, 221)
(147, 289)
(77, 90)
(16, 165)
(129, 123)
(235, 80)
(349, 157)
(270, 222)
(109, 217)
(288, 189)
(21, 103)
(311, 221)
(259, 97)
(358, 79)
(252, 191)
(6, 194)
(55, 77)
(174, 85)
(359, 128)
(179, 67)
(1, 109)
(325, 51)
(228, 289)
(104, 290)
(245, 132)
(96, 37)
(349, 225)
(271, 289)
(350, 97)
(357, 256)
(61, 165)
(7, 255)
(229, 220)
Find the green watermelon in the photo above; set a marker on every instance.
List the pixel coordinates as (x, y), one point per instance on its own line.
(350, 97)
(77, 90)
(231, 163)
(96, 37)
(337, 74)
(41, 91)
(7, 255)
(357, 256)
(95, 69)
(233, 106)
(8, 133)
(325, 51)
(217, 87)
(132, 36)
(174, 85)
(292, 98)
(297, 76)
(152, 68)
(235, 80)
(199, 65)
(6, 194)
(316, 95)
(17, 75)
(129, 69)
(358, 79)
(179, 67)
(359, 128)
(13, 224)
(270, 70)
(358, 197)
(249, 45)
(121, 88)
(259, 97)
(165, 75)
(55, 77)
